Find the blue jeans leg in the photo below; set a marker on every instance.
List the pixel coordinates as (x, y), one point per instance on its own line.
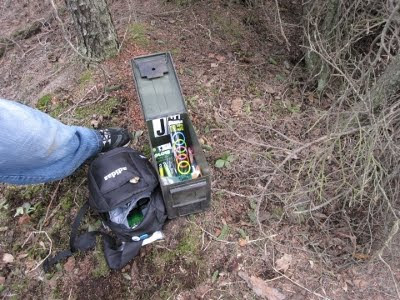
(35, 148)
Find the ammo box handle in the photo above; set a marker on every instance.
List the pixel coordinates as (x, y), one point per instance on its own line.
(188, 187)
(201, 200)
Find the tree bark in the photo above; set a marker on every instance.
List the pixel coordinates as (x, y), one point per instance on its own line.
(96, 33)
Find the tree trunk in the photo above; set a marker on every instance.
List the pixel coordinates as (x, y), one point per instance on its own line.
(96, 33)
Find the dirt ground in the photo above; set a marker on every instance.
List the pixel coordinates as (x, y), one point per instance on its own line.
(239, 78)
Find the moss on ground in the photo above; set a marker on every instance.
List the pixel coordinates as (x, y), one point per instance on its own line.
(67, 201)
(18, 288)
(186, 256)
(230, 28)
(101, 269)
(85, 78)
(188, 248)
(44, 102)
(138, 34)
(35, 195)
(104, 109)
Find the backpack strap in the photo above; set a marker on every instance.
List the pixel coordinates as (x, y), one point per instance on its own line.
(117, 254)
(83, 242)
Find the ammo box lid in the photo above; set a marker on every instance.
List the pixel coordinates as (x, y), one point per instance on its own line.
(157, 85)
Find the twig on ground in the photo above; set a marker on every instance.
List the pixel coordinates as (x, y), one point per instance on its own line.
(393, 232)
(300, 285)
(208, 30)
(49, 206)
(290, 156)
(129, 22)
(211, 235)
(50, 248)
(280, 25)
(232, 193)
(76, 190)
(391, 273)
(73, 107)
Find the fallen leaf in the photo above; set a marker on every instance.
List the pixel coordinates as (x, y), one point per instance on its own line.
(236, 105)
(269, 89)
(284, 262)
(29, 265)
(53, 282)
(209, 83)
(360, 283)
(220, 57)
(2, 229)
(311, 264)
(8, 258)
(127, 276)
(217, 118)
(24, 219)
(361, 256)
(258, 103)
(214, 65)
(261, 288)
(22, 255)
(344, 287)
(242, 242)
(70, 264)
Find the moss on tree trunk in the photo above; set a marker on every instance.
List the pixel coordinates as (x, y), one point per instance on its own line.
(96, 33)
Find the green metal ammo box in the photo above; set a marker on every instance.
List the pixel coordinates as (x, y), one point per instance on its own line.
(161, 96)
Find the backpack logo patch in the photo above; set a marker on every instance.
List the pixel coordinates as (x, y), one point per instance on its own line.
(115, 173)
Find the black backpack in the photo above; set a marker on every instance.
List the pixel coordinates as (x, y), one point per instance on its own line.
(120, 181)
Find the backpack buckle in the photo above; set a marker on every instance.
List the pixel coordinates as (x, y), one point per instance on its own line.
(140, 238)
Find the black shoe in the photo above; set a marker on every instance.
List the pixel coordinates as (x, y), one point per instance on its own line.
(114, 137)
